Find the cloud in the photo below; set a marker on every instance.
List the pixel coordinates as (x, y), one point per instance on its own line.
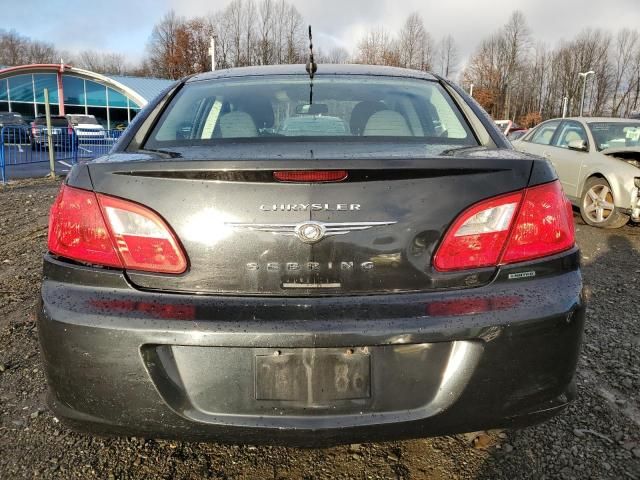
(124, 26)
(342, 22)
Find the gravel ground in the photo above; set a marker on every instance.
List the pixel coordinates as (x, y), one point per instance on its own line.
(597, 437)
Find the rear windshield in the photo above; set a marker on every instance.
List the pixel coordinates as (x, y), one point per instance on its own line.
(83, 119)
(11, 118)
(286, 108)
(55, 121)
(615, 134)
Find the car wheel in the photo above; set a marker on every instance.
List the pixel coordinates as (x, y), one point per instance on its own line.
(597, 206)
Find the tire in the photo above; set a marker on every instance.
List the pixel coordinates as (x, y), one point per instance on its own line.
(597, 205)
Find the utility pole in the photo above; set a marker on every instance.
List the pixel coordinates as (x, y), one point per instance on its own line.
(212, 52)
(565, 105)
(584, 76)
(47, 110)
(471, 90)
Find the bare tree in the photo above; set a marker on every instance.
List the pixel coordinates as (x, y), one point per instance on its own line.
(377, 47)
(447, 56)
(102, 62)
(337, 55)
(266, 44)
(162, 46)
(294, 28)
(626, 65)
(12, 47)
(516, 43)
(415, 44)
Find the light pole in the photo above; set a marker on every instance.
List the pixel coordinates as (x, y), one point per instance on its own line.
(212, 52)
(584, 76)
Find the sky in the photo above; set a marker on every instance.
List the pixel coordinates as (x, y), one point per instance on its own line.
(124, 26)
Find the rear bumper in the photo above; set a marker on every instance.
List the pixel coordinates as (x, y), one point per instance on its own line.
(141, 363)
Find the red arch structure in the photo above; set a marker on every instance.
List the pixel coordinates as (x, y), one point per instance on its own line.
(60, 68)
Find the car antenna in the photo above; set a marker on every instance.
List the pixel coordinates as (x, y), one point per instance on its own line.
(312, 67)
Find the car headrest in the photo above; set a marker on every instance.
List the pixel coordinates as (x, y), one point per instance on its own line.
(237, 125)
(387, 123)
(361, 114)
(572, 136)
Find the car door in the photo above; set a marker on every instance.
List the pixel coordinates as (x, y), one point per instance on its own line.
(568, 161)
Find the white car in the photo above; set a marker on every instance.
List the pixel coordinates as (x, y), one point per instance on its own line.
(86, 127)
(598, 163)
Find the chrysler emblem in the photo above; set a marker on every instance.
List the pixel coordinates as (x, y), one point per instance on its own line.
(310, 232)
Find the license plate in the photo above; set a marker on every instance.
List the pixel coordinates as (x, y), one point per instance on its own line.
(313, 376)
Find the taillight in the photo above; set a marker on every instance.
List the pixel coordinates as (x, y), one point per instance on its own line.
(544, 226)
(476, 239)
(142, 238)
(78, 231)
(312, 176)
(522, 226)
(103, 230)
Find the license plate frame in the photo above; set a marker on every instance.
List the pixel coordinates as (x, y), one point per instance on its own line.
(313, 376)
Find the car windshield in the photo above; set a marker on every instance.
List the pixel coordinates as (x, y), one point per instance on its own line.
(57, 122)
(615, 134)
(83, 119)
(11, 118)
(284, 108)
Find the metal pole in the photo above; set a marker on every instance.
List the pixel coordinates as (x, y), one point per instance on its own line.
(471, 90)
(2, 168)
(212, 52)
(47, 110)
(584, 87)
(565, 105)
(60, 91)
(584, 76)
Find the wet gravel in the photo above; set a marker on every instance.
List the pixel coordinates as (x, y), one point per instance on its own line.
(597, 437)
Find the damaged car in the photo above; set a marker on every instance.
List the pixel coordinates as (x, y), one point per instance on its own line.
(598, 163)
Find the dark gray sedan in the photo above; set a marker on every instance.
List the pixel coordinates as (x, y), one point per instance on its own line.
(408, 274)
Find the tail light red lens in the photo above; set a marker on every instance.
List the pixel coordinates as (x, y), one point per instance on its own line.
(311, 176)
(534, 223)
(544, 226)
(103, 230)
(476, 239)
(78, 231)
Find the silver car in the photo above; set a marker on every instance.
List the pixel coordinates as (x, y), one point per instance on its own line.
(598, 163)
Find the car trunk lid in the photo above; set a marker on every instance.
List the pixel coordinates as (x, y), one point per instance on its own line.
(246, 233)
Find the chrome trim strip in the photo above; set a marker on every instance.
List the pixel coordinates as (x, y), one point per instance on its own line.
(293, 229)
(311, 285)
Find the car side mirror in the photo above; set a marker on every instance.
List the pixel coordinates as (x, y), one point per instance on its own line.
(579, 145)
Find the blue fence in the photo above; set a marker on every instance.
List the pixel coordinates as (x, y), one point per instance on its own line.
(22, 148)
